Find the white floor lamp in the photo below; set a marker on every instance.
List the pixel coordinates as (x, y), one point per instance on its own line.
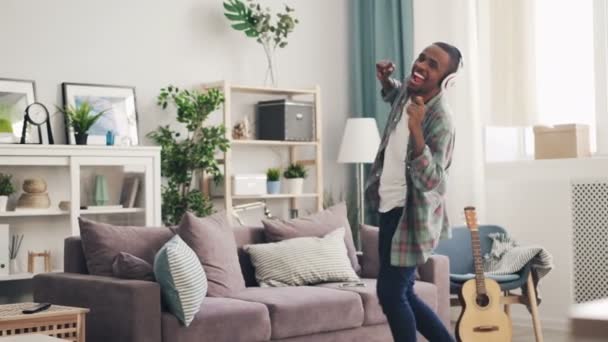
(359, 146)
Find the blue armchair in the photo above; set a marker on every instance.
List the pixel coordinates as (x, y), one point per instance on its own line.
(459, 251)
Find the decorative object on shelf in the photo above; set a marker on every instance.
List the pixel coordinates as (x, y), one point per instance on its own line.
(35, 195)
(13, 251)
(117, 103)
(249, 184)
(273, 184)
(110, 138)
(5, 253)
(31, 260)
(241, 130)
(15, 96)
(6, 189)
(294, 176)
(128, 195)
(80, 119)
(101, 190)
(64, 205)
(359, 146)
(183, 160)
(249, 206)
(285, 120)
(256, 23)
(37, 115)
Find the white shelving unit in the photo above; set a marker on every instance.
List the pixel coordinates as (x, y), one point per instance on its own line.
(234, 91)
(69, 171)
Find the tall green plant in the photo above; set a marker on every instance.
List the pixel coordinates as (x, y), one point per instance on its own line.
(183, 158)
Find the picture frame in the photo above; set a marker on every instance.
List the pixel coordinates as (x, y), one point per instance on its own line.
(120, 117)
(15, 96)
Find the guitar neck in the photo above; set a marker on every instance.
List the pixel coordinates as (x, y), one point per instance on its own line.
(479, 277)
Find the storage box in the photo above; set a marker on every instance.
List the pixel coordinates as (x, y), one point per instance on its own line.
(561, 141)
(249, 184)
(285, 120)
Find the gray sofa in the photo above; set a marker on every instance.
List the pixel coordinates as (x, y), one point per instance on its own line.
(131, 310)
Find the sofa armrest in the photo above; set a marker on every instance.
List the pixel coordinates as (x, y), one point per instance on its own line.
(120, 310)
(436, 270)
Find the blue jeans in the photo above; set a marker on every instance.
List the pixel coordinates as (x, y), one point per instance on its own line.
(404, 311)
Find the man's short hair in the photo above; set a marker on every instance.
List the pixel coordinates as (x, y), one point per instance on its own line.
(455, 56)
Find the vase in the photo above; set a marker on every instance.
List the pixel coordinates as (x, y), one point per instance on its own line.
(14, 267)
(273, 187)
(3, 203)
(271, 72)
(101, 190)
(81, 138)
(295, 185)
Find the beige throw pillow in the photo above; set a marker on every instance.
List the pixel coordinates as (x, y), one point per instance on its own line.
(302, 261)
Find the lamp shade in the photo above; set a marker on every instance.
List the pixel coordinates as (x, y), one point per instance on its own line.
(360, 141)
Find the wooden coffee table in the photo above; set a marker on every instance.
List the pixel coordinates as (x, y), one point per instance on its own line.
(63, 322)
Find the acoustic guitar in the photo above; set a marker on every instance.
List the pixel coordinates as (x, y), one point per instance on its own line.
(482, 318)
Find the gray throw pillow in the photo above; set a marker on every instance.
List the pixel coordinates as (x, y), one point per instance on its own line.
(102, 242)
(318, 225)
(302, 261)
(128, 266)
(212, 240)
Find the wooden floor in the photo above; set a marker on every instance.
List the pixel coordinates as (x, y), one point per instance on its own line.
(526, 334)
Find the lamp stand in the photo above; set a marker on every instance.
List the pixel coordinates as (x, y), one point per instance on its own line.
(360, 203)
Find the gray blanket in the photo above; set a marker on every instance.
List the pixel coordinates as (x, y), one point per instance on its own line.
(508, 257)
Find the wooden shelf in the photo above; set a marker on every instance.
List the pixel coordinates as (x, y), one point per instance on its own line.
(272, 143)
(276, 196)
(22, 276)
(34, 212)
(111, 211)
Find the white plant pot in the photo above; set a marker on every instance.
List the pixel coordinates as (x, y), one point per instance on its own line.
(14, 267)
(3, 203)
(295, 185)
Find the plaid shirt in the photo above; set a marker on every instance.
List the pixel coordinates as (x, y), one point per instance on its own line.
(424, 220)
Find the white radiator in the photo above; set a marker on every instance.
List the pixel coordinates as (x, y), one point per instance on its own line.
(590, 239)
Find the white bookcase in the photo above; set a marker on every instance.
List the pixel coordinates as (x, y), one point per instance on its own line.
(241, 99)
(69, 172)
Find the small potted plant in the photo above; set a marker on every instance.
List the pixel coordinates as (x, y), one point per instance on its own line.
(6, 189)
(294, 175)
(273, 184)
(81, 118)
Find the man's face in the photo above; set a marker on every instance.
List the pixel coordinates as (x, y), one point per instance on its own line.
(430, 67)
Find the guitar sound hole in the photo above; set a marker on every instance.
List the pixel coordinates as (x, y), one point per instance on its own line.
(482, 300)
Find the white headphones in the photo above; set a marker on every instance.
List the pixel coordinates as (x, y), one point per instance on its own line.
(449, 80)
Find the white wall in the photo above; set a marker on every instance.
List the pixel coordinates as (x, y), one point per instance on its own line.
(150, 44)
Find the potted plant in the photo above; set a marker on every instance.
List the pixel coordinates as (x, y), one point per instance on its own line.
(294, 175)
(81, 118)
(255, 21)
(185, 159)
(273, 184)
(6, 189)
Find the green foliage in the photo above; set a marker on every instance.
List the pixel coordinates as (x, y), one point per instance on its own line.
(295, 171)
(6, 186)
(80, 117)
(273, 175)
(182, 159)
(256, 22)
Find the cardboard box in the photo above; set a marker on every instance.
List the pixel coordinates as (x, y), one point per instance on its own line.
(561, 141)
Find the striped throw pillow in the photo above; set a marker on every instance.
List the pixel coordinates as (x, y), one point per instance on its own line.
(302, 261)
(182, 279)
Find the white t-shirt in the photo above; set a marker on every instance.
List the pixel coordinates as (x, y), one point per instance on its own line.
(393, 185)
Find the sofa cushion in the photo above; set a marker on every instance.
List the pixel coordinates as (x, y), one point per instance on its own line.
(181, 278)
(318, 225)
(373, 311)
(304, 310)
(370, 258)
(221, 319)
(128, 266)
(102, 242)
(212, 239)
(302, 261)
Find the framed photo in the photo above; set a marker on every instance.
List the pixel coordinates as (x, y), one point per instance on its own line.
(15, 96)
(120, 117)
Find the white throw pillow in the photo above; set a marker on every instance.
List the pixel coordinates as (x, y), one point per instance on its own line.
(302, 261)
